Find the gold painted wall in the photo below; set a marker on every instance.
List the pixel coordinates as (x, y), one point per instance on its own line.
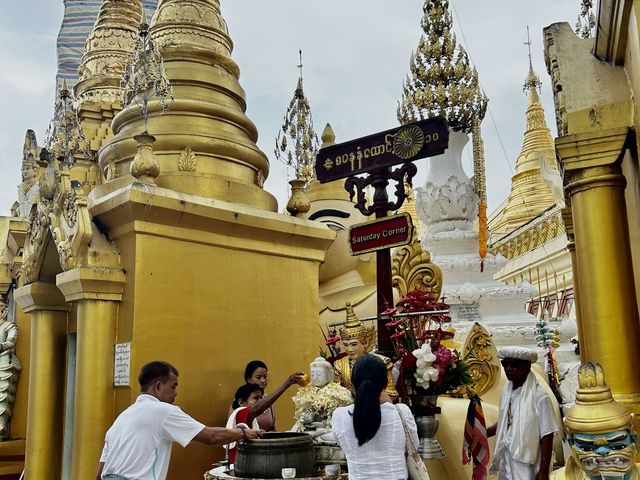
(209, 295)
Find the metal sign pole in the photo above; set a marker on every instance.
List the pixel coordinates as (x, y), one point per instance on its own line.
(374, 156)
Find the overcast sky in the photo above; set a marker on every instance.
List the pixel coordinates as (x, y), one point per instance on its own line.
(356, 54)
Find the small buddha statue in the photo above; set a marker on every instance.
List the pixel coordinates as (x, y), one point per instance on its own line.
(357, 340)
(316, 402)
(600, 432)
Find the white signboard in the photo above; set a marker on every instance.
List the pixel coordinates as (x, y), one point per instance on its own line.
(467, 312)
(122, 365)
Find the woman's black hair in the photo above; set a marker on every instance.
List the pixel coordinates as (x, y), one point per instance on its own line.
(369, 377)
(251, 367)
(243, 393)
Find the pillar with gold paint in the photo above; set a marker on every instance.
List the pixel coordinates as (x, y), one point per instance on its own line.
(48, 310)
(608, 310)
(97, 292)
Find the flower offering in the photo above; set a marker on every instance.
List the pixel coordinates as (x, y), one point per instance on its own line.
(424, 365)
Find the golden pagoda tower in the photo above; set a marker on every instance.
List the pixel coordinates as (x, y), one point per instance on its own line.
(173, 251)
(530, 194)
(205, 144)
(527, 229)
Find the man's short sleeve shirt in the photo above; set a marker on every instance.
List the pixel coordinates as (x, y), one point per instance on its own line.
(138, 444)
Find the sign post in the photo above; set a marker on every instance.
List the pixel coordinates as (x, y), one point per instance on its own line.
(374, 155)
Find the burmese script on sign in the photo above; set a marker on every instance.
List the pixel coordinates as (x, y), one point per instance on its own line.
(382, 233)
(392, 147)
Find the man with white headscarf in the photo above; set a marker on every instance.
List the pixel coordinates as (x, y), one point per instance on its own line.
(526, 421)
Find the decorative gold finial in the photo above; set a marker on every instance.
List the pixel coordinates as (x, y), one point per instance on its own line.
(297, 142)
(354, 329)
(442, 81)
(328, 136)
(595, 410)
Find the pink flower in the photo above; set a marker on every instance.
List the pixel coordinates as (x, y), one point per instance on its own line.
(444, 358)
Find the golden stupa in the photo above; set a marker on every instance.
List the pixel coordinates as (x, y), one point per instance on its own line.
(530, 195)
(142, 250)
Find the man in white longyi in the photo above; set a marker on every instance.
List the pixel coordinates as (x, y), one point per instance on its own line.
(526, 421)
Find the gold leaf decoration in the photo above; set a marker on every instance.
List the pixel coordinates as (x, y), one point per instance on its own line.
(481, 355)
(187, 161)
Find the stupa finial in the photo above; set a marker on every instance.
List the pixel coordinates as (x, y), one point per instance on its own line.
(532, 82)
(328, 136)
(297, 142)
(442, 81)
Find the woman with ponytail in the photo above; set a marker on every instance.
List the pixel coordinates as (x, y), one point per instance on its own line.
(370, 431)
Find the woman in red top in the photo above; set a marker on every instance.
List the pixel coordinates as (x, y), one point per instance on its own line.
(256, 373)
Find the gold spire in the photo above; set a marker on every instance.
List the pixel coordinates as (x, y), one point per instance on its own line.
(106, 51)
(297, 142)
(595, 410)
(207, 115)
(331, 190)
(102, 65)
(529, 195)
(442, 81)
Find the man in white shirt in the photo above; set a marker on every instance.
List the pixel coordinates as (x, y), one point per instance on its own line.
(526, 421)
(138, 444)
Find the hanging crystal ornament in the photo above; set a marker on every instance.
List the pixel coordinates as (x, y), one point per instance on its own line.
(65, 138)
(145, 75)
(297, 142)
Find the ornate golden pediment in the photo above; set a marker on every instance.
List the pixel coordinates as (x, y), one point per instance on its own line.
(61, 211)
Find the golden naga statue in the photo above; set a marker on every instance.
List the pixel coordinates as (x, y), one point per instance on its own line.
(357, 341)
(600, 432)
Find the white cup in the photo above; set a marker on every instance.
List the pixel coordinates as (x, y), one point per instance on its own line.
(288, 473)
(331, 470)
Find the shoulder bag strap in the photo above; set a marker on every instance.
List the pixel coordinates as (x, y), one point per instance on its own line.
(409, 445)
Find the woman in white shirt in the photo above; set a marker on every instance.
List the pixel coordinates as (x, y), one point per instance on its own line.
(370, 431)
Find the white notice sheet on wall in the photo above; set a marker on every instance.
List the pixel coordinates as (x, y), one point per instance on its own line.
(122, 365)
